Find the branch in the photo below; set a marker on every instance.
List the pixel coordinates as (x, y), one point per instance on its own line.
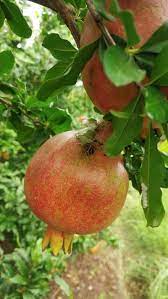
(98, 19)
(8, 104)
(65, 13)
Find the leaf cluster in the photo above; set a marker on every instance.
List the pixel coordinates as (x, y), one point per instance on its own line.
(36, 118)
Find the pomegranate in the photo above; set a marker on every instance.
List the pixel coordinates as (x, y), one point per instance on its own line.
(149, 16)
(74, 188)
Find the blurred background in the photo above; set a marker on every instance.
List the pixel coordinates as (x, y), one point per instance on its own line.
(127, 260)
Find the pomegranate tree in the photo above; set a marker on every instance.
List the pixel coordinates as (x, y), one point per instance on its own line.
(77, 183)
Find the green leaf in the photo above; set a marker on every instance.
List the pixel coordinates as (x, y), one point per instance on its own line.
(2, 17)
(15, 19)
(125, 130)
(26, 133)
(127, 19)
(120, 114)
(58, 70)
(165, 159)
(7, 90)
(101, 50)
(18, 279)
(145, 61)
(63, 285)
(21, 266)
(163, 147)
(33, 104)
(70, 78)
(6, 62)
(76, 3)
(133, 160)
(164, 182)
(27, 295)
(165, 129)
(101, 8)
(156, 104)
(119, 41)
(160, 69)
(60, 48)
(121, 68)
(151, 177)
(158, 40)
(58, 120)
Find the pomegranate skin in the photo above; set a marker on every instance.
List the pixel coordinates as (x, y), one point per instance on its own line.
(104, 95)
(71, 191)
(149, 16)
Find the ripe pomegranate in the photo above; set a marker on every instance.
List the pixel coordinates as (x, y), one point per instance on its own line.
(74, 188)
(149, 16)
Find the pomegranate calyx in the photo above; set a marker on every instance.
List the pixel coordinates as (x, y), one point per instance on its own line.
(57, 241)
(93, 137)
(86, 135)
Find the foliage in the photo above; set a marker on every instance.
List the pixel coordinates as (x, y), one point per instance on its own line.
(145, 251)
(39, 119)
(14, 214)
(41, 95)
(26, 273)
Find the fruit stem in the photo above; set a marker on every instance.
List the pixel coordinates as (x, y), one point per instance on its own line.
(86, 136)
(93, 137)
(132, 51)
(99, 22)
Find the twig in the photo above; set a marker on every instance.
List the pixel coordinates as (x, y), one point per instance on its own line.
(65, 13)
(99, 21)
(7, 103)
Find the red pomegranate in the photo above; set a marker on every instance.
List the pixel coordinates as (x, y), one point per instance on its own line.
(149, 16)
(74, 188)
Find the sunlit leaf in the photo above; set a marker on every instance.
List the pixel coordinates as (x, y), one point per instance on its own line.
(6, 62)
(63, 285)
(15, 19)
(58, 70)
(156, 104)
(70, 78)
(60, 48)
(163, 147)
(127, 19)
(124, 129)
(101, 8)
(121, 68)
(151, 176)
(160, 69)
